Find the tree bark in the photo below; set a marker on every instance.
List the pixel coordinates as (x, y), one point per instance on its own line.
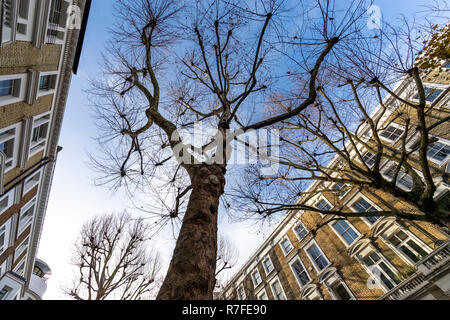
(191, 273)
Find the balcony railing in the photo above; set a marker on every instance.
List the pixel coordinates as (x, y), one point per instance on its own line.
(428, 265)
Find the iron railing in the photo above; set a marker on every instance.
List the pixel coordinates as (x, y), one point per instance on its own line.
(431, 263)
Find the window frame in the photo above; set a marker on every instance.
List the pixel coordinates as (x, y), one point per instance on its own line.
(28, 188)
(243, 290)
(26, 244)
(392, 165)
(53, 80)
(22, 227)
(40, 145)
(272, 282)
(18, 89)
(16, 148)
(23, 262)
(297, 259)
(10, 196)
(316, 267)
(261, 293)
(432, 86)
(356, 199)
(255, 284)
(319, 200)
(264, 265)
(412, 237)
(290, 244)
(341, 282)
(343, 193)
(378, 280)
(447, 159)
(295, 231)
(396, 126)
(6, 244)
(351, 226)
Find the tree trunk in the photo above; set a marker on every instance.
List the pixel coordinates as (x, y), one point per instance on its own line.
(191, 273)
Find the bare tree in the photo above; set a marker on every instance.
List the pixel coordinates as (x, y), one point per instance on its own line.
(227, 258)
(172, 65)
(114, 261)
(339, 142)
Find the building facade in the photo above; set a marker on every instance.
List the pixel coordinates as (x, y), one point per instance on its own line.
(40, 45)
(361, 258)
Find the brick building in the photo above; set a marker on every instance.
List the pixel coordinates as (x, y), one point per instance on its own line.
(361, 258)
(40, 45)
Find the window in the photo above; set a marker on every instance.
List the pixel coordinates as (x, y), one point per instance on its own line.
(9, 147)
(241, 293)
(39, 134)
(381, 271)
(362, 205)
(256, 277)
(11, 88)
(20, 270)
(438, 151)
(6, 87)
(403, 179)
(21, 248)
(263, 295)
(23, 25)
(369, 159)
(430, 94)
(55, 11)
(277, 290)
(317, 257)
(286, 245)
(6, 34)
(340, 189)
(346, 231)
(300, 231)
(44, 83)
(392, 133)
(6, 201)
(26, 215)
(32, 181)
(340, 291)
(3, 238)
(407, 246)
(5, 292)
(268, 265)
(300, 273)
(324, 205)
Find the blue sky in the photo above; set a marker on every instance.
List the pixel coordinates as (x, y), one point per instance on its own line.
(74, 198)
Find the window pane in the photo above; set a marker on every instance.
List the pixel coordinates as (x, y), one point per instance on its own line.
(438, 151)
(369, 159)
(418, 249)
(301, 231)
(44, 83)
(341, 292)
(300, 272)
(6, 87)
(317, 256)
(324, 206)
(7, 148)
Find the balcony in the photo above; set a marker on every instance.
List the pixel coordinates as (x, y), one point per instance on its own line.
(38, 280)
(38, 285)
(428, 269)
